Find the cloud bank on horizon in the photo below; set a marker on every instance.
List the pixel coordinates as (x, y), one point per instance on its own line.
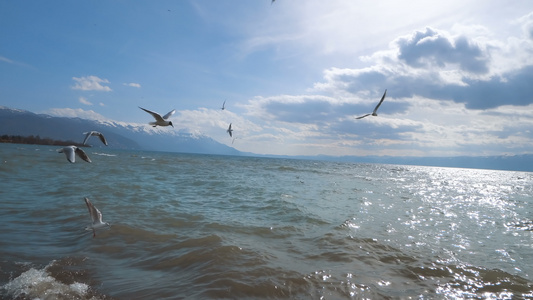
(295, 75)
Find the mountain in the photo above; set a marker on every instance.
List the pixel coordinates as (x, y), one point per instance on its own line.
(119, 135)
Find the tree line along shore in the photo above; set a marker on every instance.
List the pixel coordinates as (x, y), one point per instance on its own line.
(35, 140)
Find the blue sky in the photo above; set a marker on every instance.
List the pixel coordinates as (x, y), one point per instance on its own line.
(295, 74)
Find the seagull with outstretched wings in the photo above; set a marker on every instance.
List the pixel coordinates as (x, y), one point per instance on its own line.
(374, 113)
(161, 121)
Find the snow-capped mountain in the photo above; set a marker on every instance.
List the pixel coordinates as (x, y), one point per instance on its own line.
(118, 134)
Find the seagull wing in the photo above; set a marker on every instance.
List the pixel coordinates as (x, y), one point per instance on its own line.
(87, 136)
(230, 130)
(380, 101)
(363, 116)
(170, 113)
(82, 154)
(154, 114)
(93, 212)
(224, 105)
(98, 215)
(102, 138)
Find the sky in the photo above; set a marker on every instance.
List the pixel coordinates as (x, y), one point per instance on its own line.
(294, 74)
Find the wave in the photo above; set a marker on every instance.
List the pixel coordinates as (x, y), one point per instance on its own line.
(103, 154)
(54, 281)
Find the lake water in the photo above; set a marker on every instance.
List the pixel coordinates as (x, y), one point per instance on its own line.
(203, 226)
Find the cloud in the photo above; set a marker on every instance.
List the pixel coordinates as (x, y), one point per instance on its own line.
(91, 83)
(527, 25)
(13, 62)
(84, 100)
(424, 49)
(7, 60)
(316, 109)
(213, 122)
(448, 94)
(432, 64)
(132, 84)
(75, 113)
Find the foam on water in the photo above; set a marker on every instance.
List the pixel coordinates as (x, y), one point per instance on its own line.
(103, 154)
(39, 284)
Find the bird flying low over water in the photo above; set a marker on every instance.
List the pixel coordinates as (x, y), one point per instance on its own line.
(161, 121)
(230, 131)
(94, 133)
(96, 218)
(71, 151)
(223, 105)
(374, 113)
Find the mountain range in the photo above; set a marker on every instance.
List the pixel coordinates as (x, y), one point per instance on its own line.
(143, 137)
(119, 135)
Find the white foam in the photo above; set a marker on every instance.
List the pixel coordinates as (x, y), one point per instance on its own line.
(103, 154)
(38, 284)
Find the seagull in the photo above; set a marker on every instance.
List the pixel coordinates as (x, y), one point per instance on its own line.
(230, 130)
(94, 133)
(96, 217)
(161, 121)
(70, 152)
(374, 113)
(223, 105)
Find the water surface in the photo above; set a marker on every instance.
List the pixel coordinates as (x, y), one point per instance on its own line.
(202, 226)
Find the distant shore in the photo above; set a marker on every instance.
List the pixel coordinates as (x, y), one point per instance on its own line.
(36, 140)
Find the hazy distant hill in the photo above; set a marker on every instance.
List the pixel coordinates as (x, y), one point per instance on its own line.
(119, 136)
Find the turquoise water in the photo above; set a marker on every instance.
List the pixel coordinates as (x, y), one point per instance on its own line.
(201, 226)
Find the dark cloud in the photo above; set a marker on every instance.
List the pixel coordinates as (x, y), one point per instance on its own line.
(309, 111)
(321, 111)
(513, 88)
(370, 80)
(427, 48)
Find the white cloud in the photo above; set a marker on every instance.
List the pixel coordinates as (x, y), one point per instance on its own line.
(7, 60)
(133, 84)
(84, 100)
(13, 62)
(527, 25)
(214, 123)
(91, 83)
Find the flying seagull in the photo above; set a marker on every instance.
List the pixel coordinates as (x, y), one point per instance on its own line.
(96, 218)
(161, 121)
(71, 151)
(374, 113)
(94, 133)
(230, 130)
(223, 105)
